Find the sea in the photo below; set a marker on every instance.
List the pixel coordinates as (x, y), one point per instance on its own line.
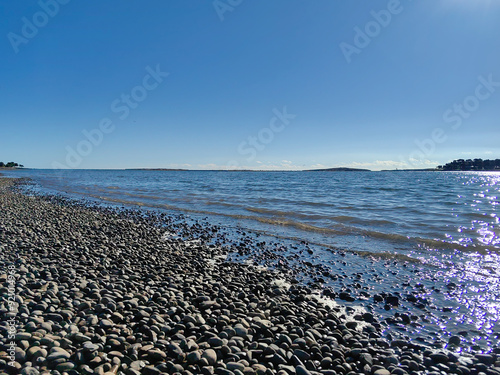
(438, 231)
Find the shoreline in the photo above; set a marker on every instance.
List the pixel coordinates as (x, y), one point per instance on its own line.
(100, 291)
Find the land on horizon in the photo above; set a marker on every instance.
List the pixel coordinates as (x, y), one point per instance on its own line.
(10, 165)
(455, 165)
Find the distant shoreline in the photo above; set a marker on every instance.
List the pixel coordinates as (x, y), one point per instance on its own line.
(338, 169)
(155, 169)
(341, 169)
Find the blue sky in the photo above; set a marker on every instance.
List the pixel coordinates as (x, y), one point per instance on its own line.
(287, 84)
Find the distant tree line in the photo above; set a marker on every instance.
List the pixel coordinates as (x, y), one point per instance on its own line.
(10, 164)
(471, 165)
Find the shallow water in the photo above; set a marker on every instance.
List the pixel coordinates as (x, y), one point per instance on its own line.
(444, 226)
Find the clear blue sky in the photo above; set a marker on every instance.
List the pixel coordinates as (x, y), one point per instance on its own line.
(378, 84)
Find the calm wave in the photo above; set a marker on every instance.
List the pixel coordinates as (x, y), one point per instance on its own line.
(401, 212)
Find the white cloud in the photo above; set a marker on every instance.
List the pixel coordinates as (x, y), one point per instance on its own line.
(288, 165)
(318, 166)
(394, 164)
(381, 164)
(211, 166)
(261, 166)
(175, 165)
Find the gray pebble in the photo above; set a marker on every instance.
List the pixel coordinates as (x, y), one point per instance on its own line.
(210, 356)
(29, 371)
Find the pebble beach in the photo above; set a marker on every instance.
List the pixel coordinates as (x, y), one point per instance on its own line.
(89, 290)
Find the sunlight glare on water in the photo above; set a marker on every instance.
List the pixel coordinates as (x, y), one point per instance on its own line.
(478, 202)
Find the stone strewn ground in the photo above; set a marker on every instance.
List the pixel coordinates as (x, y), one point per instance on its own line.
(99, 293)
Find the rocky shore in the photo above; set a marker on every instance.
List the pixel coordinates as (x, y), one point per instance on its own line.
(95, 291)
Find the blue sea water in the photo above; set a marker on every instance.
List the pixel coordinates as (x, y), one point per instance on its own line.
(446, 222)
(366, 211)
